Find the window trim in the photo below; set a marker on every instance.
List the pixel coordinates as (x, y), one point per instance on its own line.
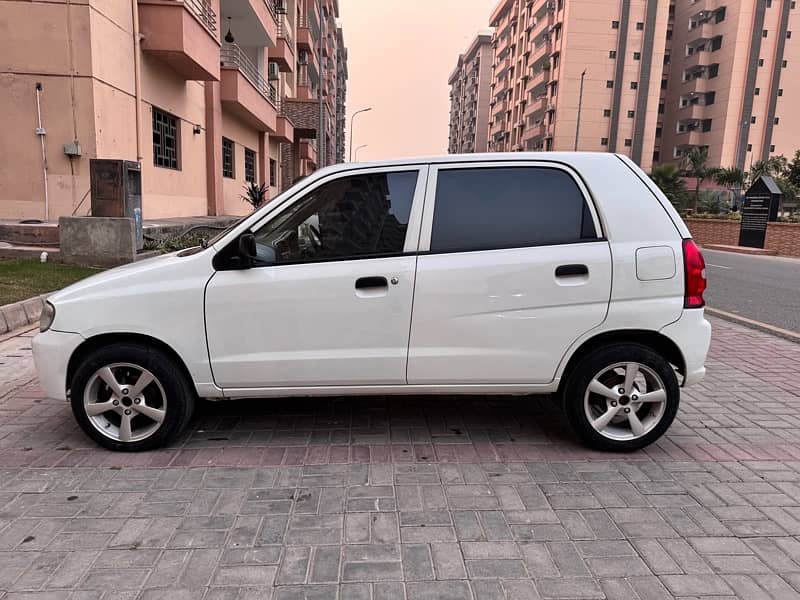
(273, 210)
(430, 202)
(178, 154)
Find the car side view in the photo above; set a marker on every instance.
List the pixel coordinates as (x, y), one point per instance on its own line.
(528, 273)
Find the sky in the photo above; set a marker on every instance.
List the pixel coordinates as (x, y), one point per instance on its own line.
(400, 56)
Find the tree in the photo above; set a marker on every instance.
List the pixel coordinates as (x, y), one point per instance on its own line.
(732, 178)
(695, 163)
(668, 178)
(793, 170)
(774, 166)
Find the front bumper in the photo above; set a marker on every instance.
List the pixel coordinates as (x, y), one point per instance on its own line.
(51, 353)
(692, 334)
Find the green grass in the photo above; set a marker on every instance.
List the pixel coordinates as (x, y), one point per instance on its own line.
(22, 279)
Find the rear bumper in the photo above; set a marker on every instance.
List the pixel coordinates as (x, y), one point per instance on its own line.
(692, 334)
(51, 353)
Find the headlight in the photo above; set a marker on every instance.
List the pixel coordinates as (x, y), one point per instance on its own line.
(48, 314)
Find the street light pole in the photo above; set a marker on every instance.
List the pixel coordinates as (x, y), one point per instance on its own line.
(359, 148)
(352, 120)
(580, 105)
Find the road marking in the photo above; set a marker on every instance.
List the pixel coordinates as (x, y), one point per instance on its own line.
(785, 333)
(717, 266)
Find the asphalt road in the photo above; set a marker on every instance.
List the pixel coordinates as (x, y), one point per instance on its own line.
(763, 288)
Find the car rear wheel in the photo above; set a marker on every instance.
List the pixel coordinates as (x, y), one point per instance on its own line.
(621, 397)
(131, 397)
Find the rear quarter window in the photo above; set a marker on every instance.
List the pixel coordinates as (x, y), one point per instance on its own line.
(487, 208)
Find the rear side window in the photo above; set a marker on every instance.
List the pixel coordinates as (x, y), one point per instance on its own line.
(508, 207)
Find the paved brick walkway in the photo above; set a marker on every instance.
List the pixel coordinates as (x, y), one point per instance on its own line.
(417, 498)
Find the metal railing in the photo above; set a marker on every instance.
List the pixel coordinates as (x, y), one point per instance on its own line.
(272, 8)
(204, 13)
(232, 55)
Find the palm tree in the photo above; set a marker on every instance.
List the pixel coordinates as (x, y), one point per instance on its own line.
(732, 178)
(668, 178)
(695, 165)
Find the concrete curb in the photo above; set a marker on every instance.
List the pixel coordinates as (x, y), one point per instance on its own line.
(752, 324)
(21, 314)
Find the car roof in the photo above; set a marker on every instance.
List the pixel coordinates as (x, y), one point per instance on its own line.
(562, 157)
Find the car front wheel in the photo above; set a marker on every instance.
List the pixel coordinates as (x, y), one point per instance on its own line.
(131, 397)
(621, 397)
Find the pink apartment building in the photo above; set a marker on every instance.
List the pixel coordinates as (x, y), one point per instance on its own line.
(470, 91)
(734, 76)
(659, 77)
(207, 94)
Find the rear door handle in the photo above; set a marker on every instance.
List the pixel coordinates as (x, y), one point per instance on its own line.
(363, 283)
(571, 270)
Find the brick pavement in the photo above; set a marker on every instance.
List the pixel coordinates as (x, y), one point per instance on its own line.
(417, 498)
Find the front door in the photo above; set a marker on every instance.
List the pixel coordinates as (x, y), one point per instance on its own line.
(513, 268)
(328, 303)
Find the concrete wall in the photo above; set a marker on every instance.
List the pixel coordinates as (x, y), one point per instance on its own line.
(97, 241)
(243, 137)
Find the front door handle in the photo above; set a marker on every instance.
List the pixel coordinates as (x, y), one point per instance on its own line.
(363, 283)
(571, 270)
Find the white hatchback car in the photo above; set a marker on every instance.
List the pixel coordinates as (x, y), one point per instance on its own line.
(543, 273)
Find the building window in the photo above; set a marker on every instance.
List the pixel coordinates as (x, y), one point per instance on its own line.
(612, 54)
(663, 84)
(656, 156)
(772, 148)
(630, 114)
(780, 91)
(788, 35)
(614, 24)
(669, 34)
(719, 15)
(604, 141)
(639, 26)
(756, 91)
(227, 158)
(661, 108)
(607, 112)
(637, 56)
(784, 64)
(249, 165)
(752, 120)
(760, 62)
(749, 147)
(628, 142)
(273, 172)
(166, 140)
(659, 132)
(777, 120)
(769, 3)
(764, 33)
(609, 84)
(713, 71)
(634, 85)
(716, 43)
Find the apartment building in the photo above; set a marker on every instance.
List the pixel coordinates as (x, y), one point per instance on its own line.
(470, 88)
(546, 50)
(201, 92)
(734, 76)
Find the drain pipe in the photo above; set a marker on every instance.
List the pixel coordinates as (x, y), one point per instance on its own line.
(137, 77)
(41, 133)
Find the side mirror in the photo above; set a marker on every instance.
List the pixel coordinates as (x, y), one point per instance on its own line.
(247, 248)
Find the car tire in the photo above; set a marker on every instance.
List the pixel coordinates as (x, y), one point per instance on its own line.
(121, 411)
(621, 397)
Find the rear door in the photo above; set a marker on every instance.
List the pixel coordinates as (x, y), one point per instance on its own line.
(513, 268)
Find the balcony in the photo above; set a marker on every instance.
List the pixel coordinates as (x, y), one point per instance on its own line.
(500, 108)
(245, 92)
(502, 66)
(697, 85)
(691, 112)
(690, 138)
(307, 151)
(183, 35)
(304, 90)
(284, 130)
(536, 106)
(304, 38)
(283, 52)
(701, 32)
(698, 59)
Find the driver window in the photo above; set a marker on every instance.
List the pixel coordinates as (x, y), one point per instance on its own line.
(356, 216)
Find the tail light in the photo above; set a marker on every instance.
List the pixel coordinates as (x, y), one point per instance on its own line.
(694, 268)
